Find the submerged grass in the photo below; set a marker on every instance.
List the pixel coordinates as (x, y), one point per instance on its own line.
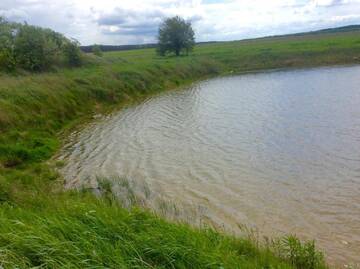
(43, 226)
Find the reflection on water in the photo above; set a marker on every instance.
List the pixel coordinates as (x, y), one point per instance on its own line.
(277, 151)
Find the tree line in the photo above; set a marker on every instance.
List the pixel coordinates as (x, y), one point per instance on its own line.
(34, 48)
(105, 48)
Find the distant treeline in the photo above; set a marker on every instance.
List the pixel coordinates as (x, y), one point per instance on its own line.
(105, 48)
(117, 47)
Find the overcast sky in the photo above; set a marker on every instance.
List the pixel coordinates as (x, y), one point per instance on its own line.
(136, 21)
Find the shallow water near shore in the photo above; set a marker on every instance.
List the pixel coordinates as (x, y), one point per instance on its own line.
(276, 151)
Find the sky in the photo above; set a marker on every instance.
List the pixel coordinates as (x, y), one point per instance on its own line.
(118, 22)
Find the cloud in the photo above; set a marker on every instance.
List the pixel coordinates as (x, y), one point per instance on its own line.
(329, 3)
(14, 14)
(143, 30)
(131, 22)
(136, 21)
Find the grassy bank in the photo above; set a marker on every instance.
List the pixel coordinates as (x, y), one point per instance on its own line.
(40, 225)
(80, 231)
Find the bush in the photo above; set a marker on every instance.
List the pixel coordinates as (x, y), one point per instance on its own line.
(7, 60)
(97, 50)
(34, 48)
(30, 48)
(72, 53)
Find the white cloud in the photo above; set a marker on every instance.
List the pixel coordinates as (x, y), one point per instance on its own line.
(329, 2)
(136, 21)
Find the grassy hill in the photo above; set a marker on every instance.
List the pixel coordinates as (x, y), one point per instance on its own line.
(42, 225)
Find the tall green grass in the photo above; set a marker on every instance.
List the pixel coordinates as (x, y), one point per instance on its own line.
(80, 231)
(42, 226)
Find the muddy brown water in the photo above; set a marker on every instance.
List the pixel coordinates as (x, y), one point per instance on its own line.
(276, 151)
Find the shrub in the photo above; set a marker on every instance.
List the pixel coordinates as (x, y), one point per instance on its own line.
(97, 50)
(7, 60)
(30, 49)
(72, 53)
(34, 48)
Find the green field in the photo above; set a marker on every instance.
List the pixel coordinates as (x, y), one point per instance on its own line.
(43, 225)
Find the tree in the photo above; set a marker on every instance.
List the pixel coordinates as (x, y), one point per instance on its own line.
(97, 50)
(175, 36)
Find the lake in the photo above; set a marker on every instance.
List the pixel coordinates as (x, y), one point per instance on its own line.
(275, 151)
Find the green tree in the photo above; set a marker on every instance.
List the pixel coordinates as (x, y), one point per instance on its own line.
(175, 36)
(97, 50)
